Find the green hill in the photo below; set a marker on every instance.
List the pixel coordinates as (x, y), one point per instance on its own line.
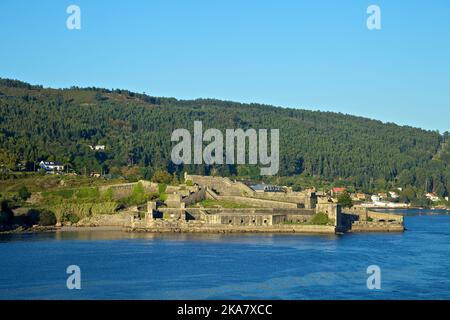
(38, 123)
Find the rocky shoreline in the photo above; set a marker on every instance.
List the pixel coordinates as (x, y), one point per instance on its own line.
(14, 229)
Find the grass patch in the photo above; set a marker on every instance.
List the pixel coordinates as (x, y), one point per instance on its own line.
(294, 223)
(320, 219)
(211, 203)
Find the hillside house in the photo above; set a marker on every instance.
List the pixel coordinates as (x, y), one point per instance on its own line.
(50, 166)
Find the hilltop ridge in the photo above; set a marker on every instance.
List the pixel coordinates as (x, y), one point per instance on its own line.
(38, 123)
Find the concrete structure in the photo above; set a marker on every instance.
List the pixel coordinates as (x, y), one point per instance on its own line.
(279, 212)
(224, 187)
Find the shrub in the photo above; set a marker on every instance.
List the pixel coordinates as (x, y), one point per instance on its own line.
(108, 195)
(24, 194)
(32, 217)
(47, 218)
(320, 219)
(189, 183)
(73, 218)
(161, 176)
(104, 208)
(162, 187)
(163, 196)
(6, 213)
(138, 195)
(345, 200)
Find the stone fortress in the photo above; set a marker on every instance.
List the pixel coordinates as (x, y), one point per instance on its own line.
(253, 211)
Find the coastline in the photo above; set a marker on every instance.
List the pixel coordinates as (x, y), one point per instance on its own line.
(287, 229)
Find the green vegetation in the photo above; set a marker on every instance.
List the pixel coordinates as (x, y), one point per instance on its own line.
(162, 191)
(138, 195)
(320, 219)
(345, 200)
(42, 217)
(331, 149)
(210, 203)
(46, 218)
(161, 176)
(24, 194)
(6, 213)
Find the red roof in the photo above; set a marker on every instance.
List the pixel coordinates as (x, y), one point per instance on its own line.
(338, 189)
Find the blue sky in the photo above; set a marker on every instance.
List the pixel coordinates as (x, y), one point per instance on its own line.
(315, 55)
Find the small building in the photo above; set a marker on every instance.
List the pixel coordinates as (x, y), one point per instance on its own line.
(375, 198)
(360, 196)
(431, 196)
(98, 147)
(21, 166)
(50, 166)
(262, 187)
(393, 194)
(337, 191)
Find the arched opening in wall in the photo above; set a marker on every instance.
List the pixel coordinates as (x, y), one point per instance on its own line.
(254, 221)
(265, 221)
(230, 221)
(242, 221)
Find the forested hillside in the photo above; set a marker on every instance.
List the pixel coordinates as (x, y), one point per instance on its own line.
(48, 124)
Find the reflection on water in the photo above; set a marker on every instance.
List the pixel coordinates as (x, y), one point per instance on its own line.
(415, 212)
(117, 264)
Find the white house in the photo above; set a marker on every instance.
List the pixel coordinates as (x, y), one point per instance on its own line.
(432, 197)
(393, 194)
(51, 166)
(375, 198)
(97, 147)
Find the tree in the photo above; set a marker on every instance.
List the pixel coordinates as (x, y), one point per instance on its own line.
(162, 176)
(6, 213)
(345, 200)
(7, 160)
(408, 194)
(24, 194)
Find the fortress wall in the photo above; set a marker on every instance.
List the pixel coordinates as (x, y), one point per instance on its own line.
(298, 218)
(222, 185)
(123, 190)
(333, 211)
(306, 199)
(220, 228)
(364, 213)
(278, 211)
(246, 220)
(194, 197)
(376, 216)
(259, 202)
(377, 227)
(360, 212)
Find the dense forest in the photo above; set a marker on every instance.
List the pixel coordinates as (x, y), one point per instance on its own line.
(39, 123)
